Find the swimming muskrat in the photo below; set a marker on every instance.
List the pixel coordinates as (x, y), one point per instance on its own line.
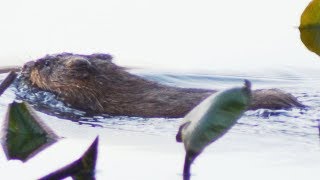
(93, 83)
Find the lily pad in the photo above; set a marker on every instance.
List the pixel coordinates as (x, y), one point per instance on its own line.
(24, 134)
(83, 168)
(310, 26)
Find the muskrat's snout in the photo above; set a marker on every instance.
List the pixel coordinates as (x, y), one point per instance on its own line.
(26, 69)
(27, 65)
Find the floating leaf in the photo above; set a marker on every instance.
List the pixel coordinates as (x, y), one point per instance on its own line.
(310, 36)
(24, 133)
(83, 168)
(311, 15)
(310, 26)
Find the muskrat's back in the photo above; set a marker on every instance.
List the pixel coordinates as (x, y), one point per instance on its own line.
(93, 83)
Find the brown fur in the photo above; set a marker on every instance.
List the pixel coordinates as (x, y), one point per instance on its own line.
(94, 84)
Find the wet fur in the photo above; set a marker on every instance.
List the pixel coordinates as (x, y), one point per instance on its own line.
(93, 83)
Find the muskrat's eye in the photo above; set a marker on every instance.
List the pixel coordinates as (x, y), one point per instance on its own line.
(47, 63)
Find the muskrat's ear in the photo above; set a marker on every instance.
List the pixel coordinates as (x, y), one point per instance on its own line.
(76, 63)
(79, 67)
(101, 56)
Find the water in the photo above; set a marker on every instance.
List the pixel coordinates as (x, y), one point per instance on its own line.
(203, 44)
(263, 141)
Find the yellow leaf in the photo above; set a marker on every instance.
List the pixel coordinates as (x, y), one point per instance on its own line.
(310, 26)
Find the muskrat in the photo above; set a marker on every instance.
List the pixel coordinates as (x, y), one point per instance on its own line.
(94, 84)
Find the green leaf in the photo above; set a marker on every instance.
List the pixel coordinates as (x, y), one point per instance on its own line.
(311, 15)
(310, 26)
(81, 169)
(310, 36)
(24, 133)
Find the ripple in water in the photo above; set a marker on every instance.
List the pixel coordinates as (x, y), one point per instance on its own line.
(295, 123)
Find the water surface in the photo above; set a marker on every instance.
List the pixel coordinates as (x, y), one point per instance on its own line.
(264, 143)
(200, 44)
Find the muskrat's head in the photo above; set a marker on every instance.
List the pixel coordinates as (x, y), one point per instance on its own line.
(54, 70)
(73, 77)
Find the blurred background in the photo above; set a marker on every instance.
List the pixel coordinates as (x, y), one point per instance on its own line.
(169, 34)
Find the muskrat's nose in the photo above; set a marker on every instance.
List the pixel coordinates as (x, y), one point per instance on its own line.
(28, 65)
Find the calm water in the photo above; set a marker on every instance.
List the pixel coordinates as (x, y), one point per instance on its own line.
(201, 44)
